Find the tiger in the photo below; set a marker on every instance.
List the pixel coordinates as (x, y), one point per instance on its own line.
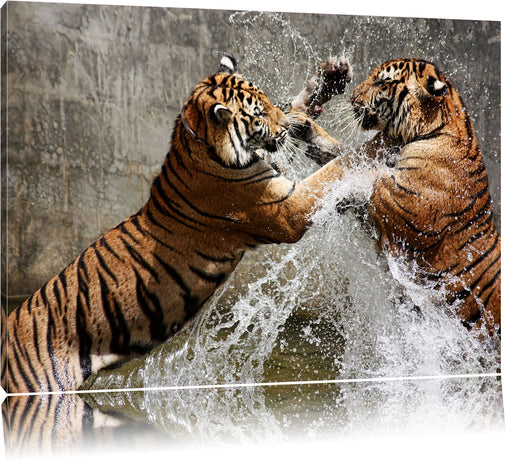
(432, 207)
(136, 286)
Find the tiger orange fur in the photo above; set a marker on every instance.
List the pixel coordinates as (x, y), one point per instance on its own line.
(144, 280)
(433, 207)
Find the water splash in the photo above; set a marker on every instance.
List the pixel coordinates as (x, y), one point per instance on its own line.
(328, 307)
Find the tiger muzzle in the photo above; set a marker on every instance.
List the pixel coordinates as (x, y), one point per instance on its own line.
(366, 117)
(275, 143)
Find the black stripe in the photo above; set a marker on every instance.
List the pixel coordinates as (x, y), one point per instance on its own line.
(169, 213)
(237, 152)
(402, 188)
(484, 210)
(82, 270)
(30, 401)
(12, 376)
(282, 199)
(56, 293)
(29, 305)
(172, 206)
(247, 125)
(118, 328)
(87, 420)
(475, 237)
(155, 315)
(135, 221)
(36, 340)
(484, 273)
(193, 207)
(105, 244)
(402, 208)
(462, 294)
(153, 220)
(174, 275)
(140, 260)
(480, 259)
(245, 179)
(433, 134)
(103, 264)
(168, 165)
(273, 175)
(179, 159)
(162, 243)
(421, 68)
(122, 228)
(438, 233)
(49, 346)
(438, 274)
(478, 171)
(401, 97)
(156, 222)
(221, 259)
(475, 197)
(85, 340)
(407, 169)
(62, 279)
(264, 239)
(184, 139)
(24, 354)
(44, 297)
(18, 355)
(489, 295)
(491, 282)
(209, 277)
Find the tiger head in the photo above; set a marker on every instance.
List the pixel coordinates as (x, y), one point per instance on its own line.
(403, 98)
(233, 118)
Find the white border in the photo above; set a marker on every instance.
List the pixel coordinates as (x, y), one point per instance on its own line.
(483, 446)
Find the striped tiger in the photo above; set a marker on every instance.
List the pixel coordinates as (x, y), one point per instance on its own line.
(139, 284)
(433, 207)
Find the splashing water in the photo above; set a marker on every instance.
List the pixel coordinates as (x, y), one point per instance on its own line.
(325, 308)
(328, 307)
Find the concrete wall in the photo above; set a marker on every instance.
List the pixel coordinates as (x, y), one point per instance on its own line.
(92, 93)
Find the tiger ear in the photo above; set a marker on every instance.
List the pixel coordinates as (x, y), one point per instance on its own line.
(435, 87)
(221, 113)
(228, 64)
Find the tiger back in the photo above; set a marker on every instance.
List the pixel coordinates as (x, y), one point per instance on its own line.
(140, 283)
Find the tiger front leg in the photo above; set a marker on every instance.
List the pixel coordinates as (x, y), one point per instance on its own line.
(330, 80)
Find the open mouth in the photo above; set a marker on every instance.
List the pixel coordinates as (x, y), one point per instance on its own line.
(366, 117)
(275, 143)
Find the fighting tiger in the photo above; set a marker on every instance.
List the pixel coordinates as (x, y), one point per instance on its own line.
(136, 286)
(432, 208)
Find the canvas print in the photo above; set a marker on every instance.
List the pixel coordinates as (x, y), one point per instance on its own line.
(247, 227)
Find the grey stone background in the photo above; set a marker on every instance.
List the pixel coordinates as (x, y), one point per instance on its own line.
(92, 93)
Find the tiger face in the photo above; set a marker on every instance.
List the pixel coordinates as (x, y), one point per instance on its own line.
(402, 98)
(234, 119)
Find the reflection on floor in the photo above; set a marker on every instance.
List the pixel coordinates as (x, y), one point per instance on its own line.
(269, 413)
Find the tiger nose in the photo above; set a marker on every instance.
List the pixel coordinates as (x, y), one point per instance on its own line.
(285, 122)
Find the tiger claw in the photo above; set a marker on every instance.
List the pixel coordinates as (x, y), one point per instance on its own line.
(330, 80)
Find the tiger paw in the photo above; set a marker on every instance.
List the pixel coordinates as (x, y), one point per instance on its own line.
(330, 80)
(332, 77)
